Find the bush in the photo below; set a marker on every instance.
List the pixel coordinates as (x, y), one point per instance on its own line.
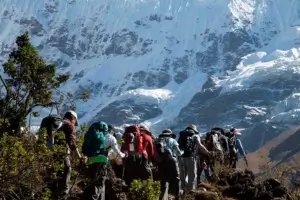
(29, 170)
(23, 167)
(144, 190)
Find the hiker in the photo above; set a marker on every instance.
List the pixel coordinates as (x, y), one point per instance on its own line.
(222, 139)
(235, 148)
(218, 144)
(189, 141)
(168, 149)
(203, 164)
(68, 128)
(97, 144)
(51, 124)
(135, 145)
(116, 163)
(148, 140)
(148, 143)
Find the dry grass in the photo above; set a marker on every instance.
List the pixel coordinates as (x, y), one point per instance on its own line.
(207, 195)
(278, 158)
(295, 194)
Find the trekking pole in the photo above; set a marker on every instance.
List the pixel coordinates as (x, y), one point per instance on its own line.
(246, 161)
(124, 165)
(29, 125)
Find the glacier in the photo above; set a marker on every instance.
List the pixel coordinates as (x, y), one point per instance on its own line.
(169, 63)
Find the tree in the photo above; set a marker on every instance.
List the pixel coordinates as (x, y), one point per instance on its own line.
(30, 83)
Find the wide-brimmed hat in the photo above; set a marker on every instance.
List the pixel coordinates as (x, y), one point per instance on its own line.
(235, 131)
(166, 133)
(143, 127)
(193, 127)
(74, 115)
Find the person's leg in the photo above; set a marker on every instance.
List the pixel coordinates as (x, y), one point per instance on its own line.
(95, 190)
(192, 171)
(174, 178)
(234, 162)
(163, 188)
(199, 169)
(182, 173)
(66, 175)
(147, 172)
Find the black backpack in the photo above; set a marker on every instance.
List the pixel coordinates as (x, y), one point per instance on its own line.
(51, 123)
(162, 152)
(187, 143)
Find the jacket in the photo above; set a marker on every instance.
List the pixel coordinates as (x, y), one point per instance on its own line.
(70, 134)
(148, 145)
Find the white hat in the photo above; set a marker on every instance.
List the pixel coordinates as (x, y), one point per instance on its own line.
(75, 115)
(144, 127)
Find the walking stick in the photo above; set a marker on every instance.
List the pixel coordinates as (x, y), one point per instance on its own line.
(124, 166)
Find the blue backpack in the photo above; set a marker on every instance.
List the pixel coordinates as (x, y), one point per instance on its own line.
(94, 140)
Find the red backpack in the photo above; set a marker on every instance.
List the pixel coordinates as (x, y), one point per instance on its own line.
(133, 140)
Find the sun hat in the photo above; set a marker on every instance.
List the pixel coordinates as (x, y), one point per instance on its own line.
(193, 127)
(74, 115)
(166, 133)
(235, 131)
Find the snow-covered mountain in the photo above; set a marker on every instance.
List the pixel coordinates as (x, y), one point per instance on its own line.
(168, 63)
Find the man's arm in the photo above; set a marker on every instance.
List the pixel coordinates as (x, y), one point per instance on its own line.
(150, 147)
(180, 142)
(239, 147)
(202, 148)
(178, 151)
(115, 147)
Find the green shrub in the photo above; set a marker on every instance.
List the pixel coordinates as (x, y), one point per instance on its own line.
(28, 169)
(144, 190)
(23, 167)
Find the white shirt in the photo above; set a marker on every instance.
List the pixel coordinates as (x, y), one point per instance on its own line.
(111, 142)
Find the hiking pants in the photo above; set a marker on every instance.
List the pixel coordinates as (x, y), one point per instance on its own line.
(95, 190)
(66, 175)
(233, 161)
(169, 173)
(201, 161)
(136, 168)
(188, 167)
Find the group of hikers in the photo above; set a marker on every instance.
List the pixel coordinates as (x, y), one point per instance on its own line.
(136, 152)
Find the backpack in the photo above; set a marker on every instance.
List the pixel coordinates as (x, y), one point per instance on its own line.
(162, 152)
(232, 144)
(51, 123)
(94, 140)
(223, 139)
(187, 143)
(133, 140)
(213, 141)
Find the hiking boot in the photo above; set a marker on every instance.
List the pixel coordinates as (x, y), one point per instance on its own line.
(181, 192)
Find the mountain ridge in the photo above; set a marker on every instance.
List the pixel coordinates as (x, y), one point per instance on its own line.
(167, 63)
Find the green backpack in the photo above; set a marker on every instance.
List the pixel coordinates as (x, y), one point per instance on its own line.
(94, 140)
